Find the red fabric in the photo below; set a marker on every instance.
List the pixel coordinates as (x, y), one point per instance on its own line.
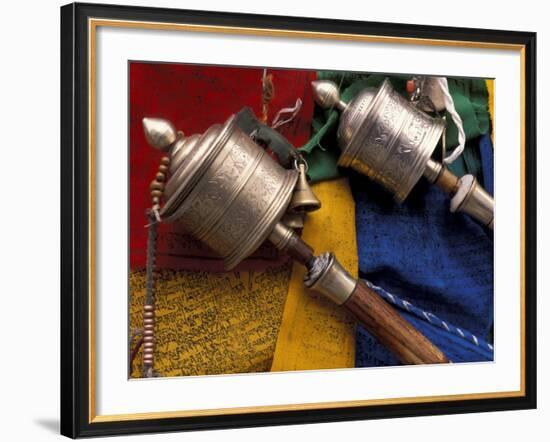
(194, 97)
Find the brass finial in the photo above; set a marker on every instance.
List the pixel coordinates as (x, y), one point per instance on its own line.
(326, 94)
(160, 133)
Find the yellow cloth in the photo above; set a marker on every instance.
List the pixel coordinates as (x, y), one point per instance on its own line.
(314, 332)
(491, 90)
(212, 323)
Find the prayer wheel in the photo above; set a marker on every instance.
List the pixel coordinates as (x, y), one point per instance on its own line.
(225, 191)
(388, 139)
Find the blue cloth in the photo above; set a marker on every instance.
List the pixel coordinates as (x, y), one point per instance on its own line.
(439, 261)
(486, 154)
(459, 343)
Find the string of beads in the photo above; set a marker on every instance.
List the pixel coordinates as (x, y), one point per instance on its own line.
(157, 190)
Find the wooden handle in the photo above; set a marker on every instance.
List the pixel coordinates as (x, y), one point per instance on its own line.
(385, 324)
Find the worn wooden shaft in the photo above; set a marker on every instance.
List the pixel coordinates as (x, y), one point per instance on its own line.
(300, 251)
(284, 238)
(391, 329)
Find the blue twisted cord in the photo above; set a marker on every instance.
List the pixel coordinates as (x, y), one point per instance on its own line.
(430, 317)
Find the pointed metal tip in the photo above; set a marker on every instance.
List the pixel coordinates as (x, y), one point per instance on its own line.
(326, 93)
(160, 133)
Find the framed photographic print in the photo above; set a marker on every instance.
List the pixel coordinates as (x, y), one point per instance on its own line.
(278, 220)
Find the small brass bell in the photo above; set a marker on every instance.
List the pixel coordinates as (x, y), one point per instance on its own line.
(303, 198)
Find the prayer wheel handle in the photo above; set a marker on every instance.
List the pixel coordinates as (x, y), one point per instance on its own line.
(327, 276)
(466, 194)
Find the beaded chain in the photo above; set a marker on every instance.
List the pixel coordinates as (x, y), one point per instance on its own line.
(157, 191)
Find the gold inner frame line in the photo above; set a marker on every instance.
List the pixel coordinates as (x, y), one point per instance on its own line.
(93, 24)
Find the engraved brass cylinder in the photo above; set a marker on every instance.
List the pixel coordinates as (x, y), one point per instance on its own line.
(223, 188)
(382, 136)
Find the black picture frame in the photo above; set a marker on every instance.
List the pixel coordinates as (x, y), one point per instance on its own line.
(75, 221)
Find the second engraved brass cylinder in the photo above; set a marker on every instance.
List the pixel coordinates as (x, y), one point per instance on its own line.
(382, 136)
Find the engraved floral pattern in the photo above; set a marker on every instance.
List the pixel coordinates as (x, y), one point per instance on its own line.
(389, 157)
(243, 214)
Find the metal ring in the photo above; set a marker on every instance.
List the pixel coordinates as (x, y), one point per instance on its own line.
(302, 160)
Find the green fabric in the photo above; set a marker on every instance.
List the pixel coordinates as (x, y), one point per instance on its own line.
(471, 102)
(469, 161)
